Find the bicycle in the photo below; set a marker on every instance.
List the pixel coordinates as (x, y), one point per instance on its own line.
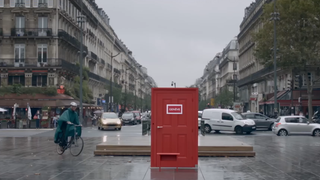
(75, 144)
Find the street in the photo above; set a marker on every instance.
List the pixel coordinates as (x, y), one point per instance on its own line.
(30, 154)
(128, 130)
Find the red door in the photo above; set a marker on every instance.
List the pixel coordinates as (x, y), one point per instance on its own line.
(174, 126)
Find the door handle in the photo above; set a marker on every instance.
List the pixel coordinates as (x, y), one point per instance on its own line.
(159, 127)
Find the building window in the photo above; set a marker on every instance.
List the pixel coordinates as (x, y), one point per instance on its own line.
(42, 53)
(20, 25)
(12, 80)
(20, 3)
(39, 80)
(43, 3)
(19, 54)
(43, 26)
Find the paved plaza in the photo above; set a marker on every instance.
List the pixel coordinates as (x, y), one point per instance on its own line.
(30, 154)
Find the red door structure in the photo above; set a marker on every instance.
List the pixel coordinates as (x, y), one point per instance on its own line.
(174, 126)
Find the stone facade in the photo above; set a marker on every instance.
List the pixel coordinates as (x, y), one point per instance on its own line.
(40, 46)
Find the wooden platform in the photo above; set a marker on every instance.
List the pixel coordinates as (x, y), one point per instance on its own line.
(218, 146)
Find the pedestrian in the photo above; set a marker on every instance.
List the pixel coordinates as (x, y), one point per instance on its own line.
(37, 117)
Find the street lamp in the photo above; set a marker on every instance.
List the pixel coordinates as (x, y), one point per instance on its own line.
(173, 84)
(111, 80)
(81, 19)
(274, 18)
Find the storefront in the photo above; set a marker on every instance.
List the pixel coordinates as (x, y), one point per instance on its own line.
(289, 103)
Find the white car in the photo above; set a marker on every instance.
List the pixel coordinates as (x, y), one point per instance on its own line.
(199, 118)
(227, 120)
(287, 125)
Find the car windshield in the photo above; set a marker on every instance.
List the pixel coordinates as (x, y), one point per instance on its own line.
(127, 115)
(137, 114)
(109, 116)
(238, 116)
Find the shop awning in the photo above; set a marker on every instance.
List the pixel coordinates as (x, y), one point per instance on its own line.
(271, 100)
(38, 101)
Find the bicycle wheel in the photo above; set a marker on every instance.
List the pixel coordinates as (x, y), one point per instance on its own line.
(60, 150)
(76, 146)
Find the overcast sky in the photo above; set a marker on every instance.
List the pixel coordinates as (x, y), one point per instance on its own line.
(175, 39)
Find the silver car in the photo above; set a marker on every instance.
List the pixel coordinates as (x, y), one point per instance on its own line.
(287, 125)
(261, 120)
(199, 118)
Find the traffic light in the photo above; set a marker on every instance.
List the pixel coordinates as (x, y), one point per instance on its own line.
(289, 84)
(297, 82)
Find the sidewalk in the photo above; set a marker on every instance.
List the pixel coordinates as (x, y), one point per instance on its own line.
(277, 158)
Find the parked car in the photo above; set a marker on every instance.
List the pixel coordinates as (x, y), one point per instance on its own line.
(288, 125)
(262, 121)
(109, 120)
(227, 120)
(137, 116)
(129, 118)
(199, 118)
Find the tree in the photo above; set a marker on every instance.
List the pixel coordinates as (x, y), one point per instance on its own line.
(224, 98)
(74, 89)
(298, 37)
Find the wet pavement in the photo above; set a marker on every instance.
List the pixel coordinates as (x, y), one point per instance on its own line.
(34, 157)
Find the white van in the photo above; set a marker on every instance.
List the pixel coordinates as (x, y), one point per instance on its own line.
(227, 120)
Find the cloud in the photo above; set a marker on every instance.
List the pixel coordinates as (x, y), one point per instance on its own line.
(175, 39)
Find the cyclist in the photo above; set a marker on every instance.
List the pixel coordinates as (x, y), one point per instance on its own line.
(65, 127)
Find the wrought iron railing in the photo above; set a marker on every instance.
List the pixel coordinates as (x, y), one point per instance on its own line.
(70, 39)
(254, 77)
(36, 62)
(31, 32)
(94, 56)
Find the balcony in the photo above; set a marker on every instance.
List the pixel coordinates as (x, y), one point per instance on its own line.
(98, 78)
(94, 56)
(30, 62)
(31, 32)
(71, 40)
(20, 4)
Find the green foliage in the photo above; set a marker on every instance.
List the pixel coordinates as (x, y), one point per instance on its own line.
(298, 38)
(74, 90)
(147, 102)
(19, 89)
(203, 104)
(298, 34)
(225, 98)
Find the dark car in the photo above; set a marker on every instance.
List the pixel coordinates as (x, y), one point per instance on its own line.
(129, 118)
(262, 121)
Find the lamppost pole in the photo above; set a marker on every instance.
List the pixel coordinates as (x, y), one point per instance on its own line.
(275, 17)
(111, 79)
(234, 80)
(81, 20)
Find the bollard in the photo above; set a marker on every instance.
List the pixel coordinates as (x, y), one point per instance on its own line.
(203, 132)
(144, 127)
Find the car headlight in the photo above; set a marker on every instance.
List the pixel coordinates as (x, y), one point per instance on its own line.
(118, 122)
(104, 122)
